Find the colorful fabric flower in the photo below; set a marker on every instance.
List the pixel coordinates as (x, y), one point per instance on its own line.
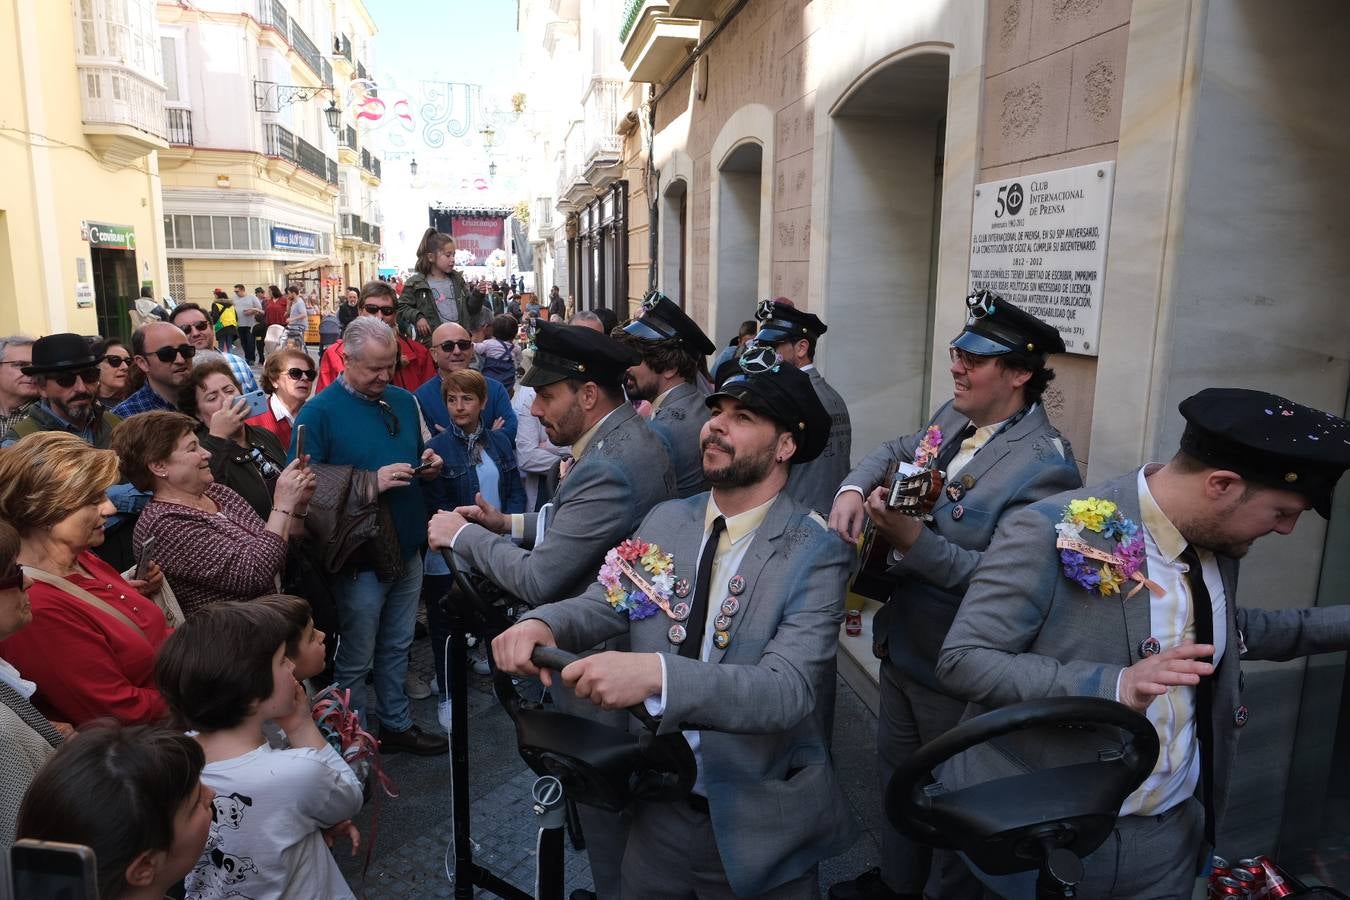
(625, 560)
(1103, 576)
(926, 453)
(1111, 580)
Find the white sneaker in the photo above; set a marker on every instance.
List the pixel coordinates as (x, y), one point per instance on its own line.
(415, 687)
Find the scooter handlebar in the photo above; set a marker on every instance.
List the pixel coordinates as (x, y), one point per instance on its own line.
(557, 660)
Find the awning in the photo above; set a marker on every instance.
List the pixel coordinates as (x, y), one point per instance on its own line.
(314, 262)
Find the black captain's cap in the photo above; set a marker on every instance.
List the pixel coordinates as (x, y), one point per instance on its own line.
(571, 351)
(995, 327)
(1269, 440)
(780, 391)
(781, 321)
(662, 320)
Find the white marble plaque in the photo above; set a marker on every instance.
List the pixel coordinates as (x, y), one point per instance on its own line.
(1040, 242)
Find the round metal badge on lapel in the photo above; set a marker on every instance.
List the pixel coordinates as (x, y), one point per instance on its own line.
(682, 588)
(1240, 716)
(958, 511)
(677, 634)
(1149, 647)
(721, 639)
(968, 481)
(956, 491)
(731, 606)
(737, 584)
(722, 623)
(679, 612)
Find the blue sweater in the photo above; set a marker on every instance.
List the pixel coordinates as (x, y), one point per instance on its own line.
(498, 406)
(459, 479)
(347, 430)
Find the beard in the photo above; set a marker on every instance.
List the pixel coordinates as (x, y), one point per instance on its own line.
(1211, 536)
(637, 391)
(77, 410)
(568, 428)
(743, 470)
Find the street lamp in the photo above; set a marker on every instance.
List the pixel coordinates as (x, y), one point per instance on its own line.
(412, 167)
(488, 135)
(492, 170)
(334, 116)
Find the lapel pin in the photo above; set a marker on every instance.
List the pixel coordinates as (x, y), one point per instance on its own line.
(958, 511)
(679, 612)
(722, 623)
(737, 584)
(956, 491)
(682, 588)
(677, 634)
(968, 481)
(730, 606)
(721, 639)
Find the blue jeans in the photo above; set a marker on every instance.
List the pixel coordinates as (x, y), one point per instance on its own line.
(376, 621)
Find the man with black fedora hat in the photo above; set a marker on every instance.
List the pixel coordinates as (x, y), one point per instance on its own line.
(66, 371)
(620, 471)
(734, 649)
(674, 354)
(794, 335)
(1127, 590)
(999, 453)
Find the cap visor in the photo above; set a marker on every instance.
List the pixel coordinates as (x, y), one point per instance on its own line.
(979, 345)
(538, 376)
(639, 329)
(772, 336)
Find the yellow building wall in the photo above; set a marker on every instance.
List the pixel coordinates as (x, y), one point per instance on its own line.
(52, 180)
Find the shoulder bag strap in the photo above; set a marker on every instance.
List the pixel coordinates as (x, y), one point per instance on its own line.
(80, 593)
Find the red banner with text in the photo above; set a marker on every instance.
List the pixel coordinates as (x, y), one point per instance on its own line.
(480, 235)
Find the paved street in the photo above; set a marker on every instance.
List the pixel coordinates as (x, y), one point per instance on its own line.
(412, 833)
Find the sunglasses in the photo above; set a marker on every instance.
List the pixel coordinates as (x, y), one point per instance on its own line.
(116, 361)
(380, 310)
(447, 346)
(167, 354)
(67, 379)
(968, 360)
(297, 374)
(197, 326)
(390, 417)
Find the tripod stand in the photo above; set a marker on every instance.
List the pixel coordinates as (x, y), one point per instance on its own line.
(477, 616)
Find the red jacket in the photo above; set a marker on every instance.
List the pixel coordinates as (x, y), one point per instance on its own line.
(277, 311)
(415, 366)
(268, 422)
(88, 664)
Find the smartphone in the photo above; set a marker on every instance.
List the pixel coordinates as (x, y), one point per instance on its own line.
(51, 869)
(144, 558)
(300, 443)
(420, 467)
(256, 401)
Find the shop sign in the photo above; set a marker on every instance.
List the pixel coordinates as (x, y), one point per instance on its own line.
(1040, 241)
(84, 294)
(294, 241)
(113, 237)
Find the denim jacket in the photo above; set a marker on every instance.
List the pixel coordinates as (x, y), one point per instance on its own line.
(458, 482)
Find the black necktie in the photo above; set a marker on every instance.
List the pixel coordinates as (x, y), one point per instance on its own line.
(698, 613)
(1203, 609)
(948, 453)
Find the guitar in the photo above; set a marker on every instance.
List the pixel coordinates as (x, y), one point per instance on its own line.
(914, 492)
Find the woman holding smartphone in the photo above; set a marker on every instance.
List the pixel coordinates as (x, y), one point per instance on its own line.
(245, 458)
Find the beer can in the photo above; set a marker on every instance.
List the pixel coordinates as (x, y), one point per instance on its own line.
(1218, 866)
(1226, 886)
(853, 622)
(1246, 879)
(1255, 866)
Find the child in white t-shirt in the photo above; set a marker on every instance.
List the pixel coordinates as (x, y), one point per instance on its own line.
(224, 672)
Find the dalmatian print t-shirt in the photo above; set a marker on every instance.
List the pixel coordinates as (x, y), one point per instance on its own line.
(266, 819)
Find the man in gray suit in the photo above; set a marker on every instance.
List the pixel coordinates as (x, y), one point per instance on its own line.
(674, 353)
(620, 470)
(1127, 591)
(793, 334)
(734, 654)
(1000, 453)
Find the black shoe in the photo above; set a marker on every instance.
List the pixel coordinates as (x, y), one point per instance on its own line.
(414, 741)
(581, 894)
(867, 886)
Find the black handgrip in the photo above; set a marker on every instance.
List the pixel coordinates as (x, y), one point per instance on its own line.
(552, 658)
(557, 660)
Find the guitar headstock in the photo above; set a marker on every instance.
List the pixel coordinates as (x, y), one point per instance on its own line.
(915, 494)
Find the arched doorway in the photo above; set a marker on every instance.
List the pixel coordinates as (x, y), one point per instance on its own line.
(741, 176)
(883, 214)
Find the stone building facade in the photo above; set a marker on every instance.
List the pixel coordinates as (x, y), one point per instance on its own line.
(831, 151)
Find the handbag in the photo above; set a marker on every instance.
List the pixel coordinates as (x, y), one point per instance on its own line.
(80, 593)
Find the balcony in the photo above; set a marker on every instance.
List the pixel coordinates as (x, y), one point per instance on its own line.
(309, 53)
(179, 129)
(370, 164)
(573, 189)
(361, 70)
(604, 147)
(272, 14)
(349, 225)
(123, 111)
(347, 137)
(282, 144)
(700, 9)
(375, 234)
(654, 41)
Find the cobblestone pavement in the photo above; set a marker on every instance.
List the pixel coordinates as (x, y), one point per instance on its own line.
(412, 832)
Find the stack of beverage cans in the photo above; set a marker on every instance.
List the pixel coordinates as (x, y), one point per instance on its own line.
(1255, 877)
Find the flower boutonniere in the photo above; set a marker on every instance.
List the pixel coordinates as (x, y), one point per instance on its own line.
(644, 595)
(927, 451)
(1099, 570)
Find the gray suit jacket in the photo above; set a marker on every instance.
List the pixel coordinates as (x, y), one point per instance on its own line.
(1023, 464)
(679, 422)
(623, 473)
(776, 807)
(814, 484)
(1025, 631)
